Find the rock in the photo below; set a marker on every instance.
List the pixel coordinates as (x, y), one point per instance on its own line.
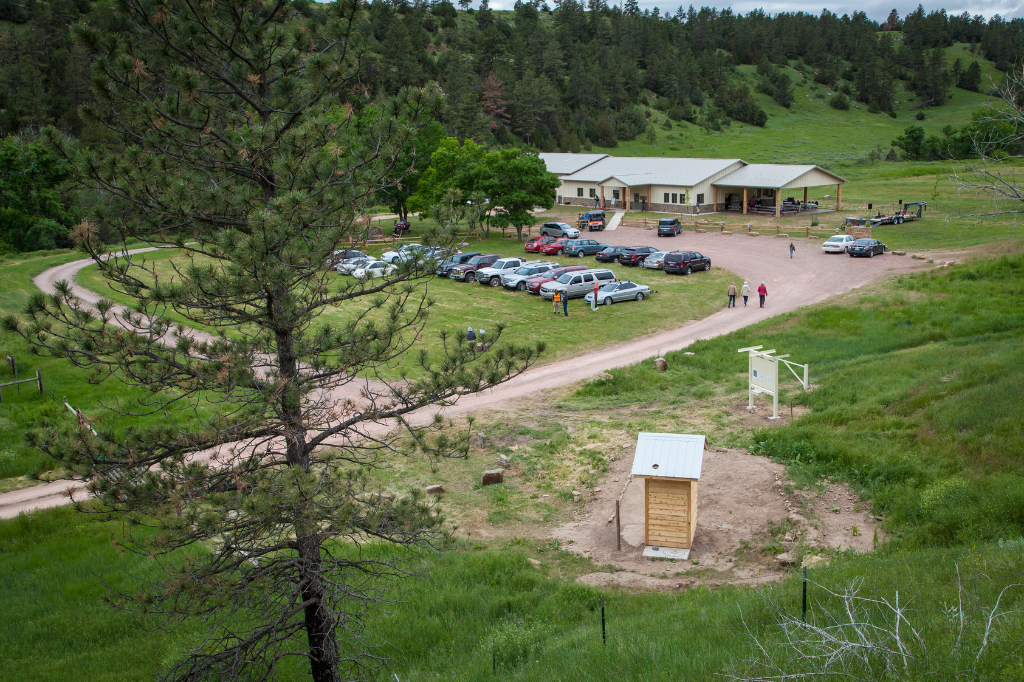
(726, 232)
(481, 439)
(505, 461)
(782, 236)
(752, 234)
(534, 563)
(660, 364)
(815, 561)
(898, 253)
(918, 256)
(788, 537)
(600, 378)
(699, 231)
(796, 518)
(785, 559)
(492, 477)
(434, 489)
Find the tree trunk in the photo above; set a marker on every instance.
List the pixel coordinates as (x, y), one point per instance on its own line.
(519, 232)
(323, 647)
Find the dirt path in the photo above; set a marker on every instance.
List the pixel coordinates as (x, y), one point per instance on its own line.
(809, 277)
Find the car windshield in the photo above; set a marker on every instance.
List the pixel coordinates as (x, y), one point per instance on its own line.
(564, 279)
(609, 287)
(476, 260)
(523, 271)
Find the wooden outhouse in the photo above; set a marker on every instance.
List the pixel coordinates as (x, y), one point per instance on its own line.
(670, 465)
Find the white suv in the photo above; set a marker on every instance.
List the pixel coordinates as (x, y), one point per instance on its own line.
(403, 254)
(577, 284)
(492, 275)
(838, 244)
(517, 278)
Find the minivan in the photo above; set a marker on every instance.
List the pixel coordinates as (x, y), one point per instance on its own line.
(577, 284)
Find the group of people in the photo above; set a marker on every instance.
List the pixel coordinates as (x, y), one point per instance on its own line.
(762, 292)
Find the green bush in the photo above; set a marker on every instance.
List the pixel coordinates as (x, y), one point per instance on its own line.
(839, 101)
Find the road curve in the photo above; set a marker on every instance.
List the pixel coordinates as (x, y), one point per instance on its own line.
(808, 277)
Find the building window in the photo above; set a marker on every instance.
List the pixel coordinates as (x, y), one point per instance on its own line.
(579, 191)
(593, 192)
(615, 194)
(636, 197)
(700, 198)
(674, 197)
(666, 198)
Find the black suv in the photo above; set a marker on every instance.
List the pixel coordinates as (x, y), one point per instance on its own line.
(669, 227)
(445, 266)
(686, 262)
(635, 255)
(610, 254)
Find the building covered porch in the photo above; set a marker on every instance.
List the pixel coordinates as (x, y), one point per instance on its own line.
(775, 189)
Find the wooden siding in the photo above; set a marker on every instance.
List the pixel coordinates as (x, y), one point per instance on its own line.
(668, 517)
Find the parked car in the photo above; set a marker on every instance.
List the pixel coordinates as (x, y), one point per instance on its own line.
(401, 227)
(616, 292)
(534, 284)
(635, 255)
(466, 272)
(576, 284)
(559, 230)
(655, 261)
(344, 254)
(866, 247)
(349, 265)
(403, 253)
(838, 244)
(583, 247)
(669, 227)
(445, 266)
(534, 245)
(377, 268)
(686, 262)
(610, 254)
(517, 278)
(555, 248)
(492, 274)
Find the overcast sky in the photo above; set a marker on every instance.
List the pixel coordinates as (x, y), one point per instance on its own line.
(876, 9)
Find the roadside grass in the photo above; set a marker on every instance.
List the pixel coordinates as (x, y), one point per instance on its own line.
(26, 409)
(482, 609)
(919, 400)
(527, 318)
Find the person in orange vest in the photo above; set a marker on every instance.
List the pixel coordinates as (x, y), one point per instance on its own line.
(555, 300)
(593, 304)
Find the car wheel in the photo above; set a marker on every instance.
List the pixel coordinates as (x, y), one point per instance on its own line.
(608, 300)
(470, 276)
(639, 296)
(689, 270)
(580, 254)
(521, 286)
(394, 261)
(560, 252)
(871, 253)
(495, 281)
(707, 266)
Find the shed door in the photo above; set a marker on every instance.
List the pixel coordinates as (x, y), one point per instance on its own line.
(668, 513)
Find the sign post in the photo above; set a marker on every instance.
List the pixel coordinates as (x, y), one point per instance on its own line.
(763, 375)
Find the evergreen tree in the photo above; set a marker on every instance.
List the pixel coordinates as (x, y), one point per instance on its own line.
(971, 78)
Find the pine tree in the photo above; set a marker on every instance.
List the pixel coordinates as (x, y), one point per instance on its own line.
(971, 78)
(242, 151)
(493, 102)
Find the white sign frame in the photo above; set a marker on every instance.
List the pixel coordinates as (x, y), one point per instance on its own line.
(763, 375)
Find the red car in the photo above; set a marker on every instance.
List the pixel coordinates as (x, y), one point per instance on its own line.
(534, 283)
(537, 243)
(555, 248)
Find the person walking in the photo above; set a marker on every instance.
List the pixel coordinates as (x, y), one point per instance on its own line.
(470, 338)
(555, 300)
(745, 292)
(762, 291)
(596, 203)
(732, 295)
(791, 250)
(565, 303)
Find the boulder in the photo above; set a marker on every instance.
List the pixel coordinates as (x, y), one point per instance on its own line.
(481, 439)
(918, 256)
(898, 253)
(785, 559)
(505, 461)
(699, 231)
(782, 236)
(796, 518)
(752, 234)
(492, 477)
(660, 364)
(599, 378)
(815, 561)
(534, 563)
(435, 489)
(726, 232)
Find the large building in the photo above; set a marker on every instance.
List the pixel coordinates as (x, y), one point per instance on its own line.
(681, 185)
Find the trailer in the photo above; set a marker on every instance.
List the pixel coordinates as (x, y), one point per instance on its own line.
(905, 215)
(908, 216)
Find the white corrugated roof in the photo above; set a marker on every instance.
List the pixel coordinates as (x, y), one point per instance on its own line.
(650, 170)
(769, 175)
(562, 164)
(675, 455)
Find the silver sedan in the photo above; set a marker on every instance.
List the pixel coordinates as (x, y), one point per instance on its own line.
(655, 261)
(616, 292)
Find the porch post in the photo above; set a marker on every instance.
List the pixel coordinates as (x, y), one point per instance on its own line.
(602, 196)
(805, 195)
(745, 200)
(626, 199)
(778, 202)
(839, 195)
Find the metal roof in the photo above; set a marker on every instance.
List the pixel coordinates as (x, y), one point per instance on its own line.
(671, 455)
(562, 164)
(648, 170)
(769, 175)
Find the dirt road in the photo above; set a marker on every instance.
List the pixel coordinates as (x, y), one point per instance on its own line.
(809, 277)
